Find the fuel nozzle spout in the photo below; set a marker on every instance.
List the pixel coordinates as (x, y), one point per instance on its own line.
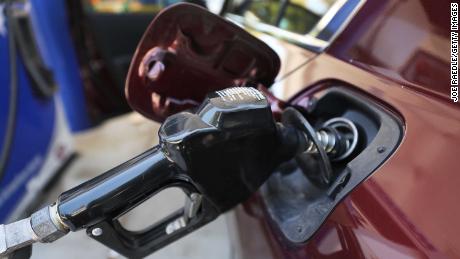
(335, 140)
(338, 138)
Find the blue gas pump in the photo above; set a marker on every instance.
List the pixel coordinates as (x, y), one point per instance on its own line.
(41, 101)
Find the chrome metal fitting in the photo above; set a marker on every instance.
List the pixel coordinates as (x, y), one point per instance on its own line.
(44, 227)
(330, 141)
(192, 205)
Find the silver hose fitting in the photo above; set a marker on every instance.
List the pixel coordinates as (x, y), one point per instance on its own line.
(328, 137)
(327, 140)
(43, 226)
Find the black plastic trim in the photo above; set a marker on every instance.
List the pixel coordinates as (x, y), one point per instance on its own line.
(298, 207)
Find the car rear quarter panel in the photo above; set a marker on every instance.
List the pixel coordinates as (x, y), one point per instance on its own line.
(408, 207)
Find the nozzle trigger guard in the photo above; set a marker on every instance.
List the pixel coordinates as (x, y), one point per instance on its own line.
(138, 244)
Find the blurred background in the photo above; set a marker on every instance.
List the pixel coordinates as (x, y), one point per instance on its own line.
(63, 115)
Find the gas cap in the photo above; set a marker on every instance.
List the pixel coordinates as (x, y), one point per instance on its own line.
(187, 52)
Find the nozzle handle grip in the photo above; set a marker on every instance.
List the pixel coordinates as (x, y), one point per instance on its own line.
(118, 190)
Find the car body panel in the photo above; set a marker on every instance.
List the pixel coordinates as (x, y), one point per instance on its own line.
(291, 56)
(406, 41)
(407, 207)
(410, 199)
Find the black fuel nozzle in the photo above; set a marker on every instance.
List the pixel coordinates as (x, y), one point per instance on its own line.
(230, 146)
(219, 156)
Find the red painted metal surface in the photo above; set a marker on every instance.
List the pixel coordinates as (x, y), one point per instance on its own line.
(188, 52)
(408, 207)
(405, 41)
(396, 52)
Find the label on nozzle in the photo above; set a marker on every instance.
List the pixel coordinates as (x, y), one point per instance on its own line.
(236, 107)
(236, 94)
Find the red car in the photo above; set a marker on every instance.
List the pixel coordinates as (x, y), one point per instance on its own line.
(384, 65)
(370, 93)
(393, 55)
